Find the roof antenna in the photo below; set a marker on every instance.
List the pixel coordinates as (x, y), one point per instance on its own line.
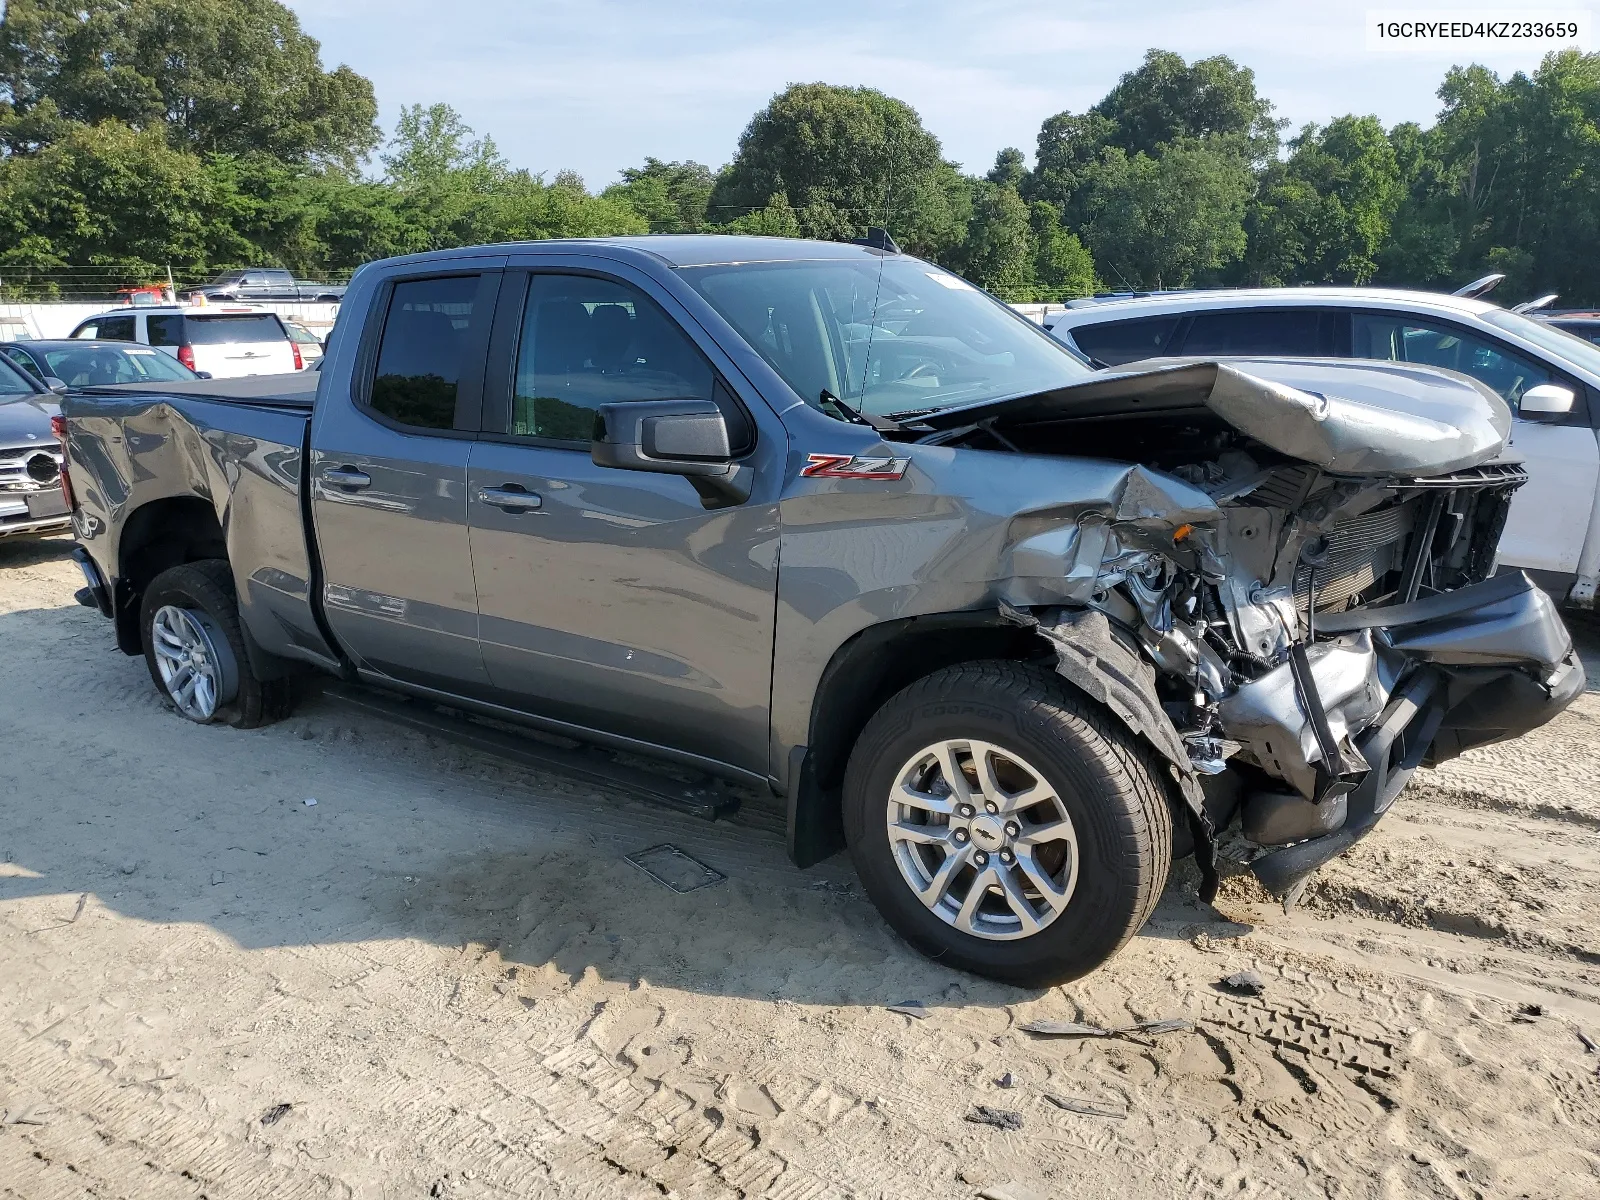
(878, 238)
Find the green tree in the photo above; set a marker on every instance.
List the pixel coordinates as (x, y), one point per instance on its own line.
(1009, 170)
(846, 159)
(1168, 220)
(999, 250)
(672, 196)
(1324, 215)
(213, 76)
(1167, 100)
(1062, 268)
(116, 197)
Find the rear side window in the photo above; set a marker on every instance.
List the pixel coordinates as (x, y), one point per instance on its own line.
(116, 329)
(1287, 332)
(420, 355)
(231, 330)
(587, 342)
(165, 330)
(13, 382)
(1118, 342)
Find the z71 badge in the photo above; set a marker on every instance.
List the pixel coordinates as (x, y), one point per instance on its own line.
(851, 466)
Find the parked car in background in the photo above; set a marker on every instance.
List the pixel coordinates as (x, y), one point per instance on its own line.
(1581, 323)
(829, 521)
(223, 341)
(310, 344)
(1548, 377)
(31, 501)
(83, 362)
(267, 283)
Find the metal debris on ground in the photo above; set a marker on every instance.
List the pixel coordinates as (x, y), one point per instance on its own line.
(311, 801)
(1087, 1108)
(1245, 983)
(1008, 1080)
(1589, 1043)
(982, 1114)
(1133, 1032)
(276, 1113)
(1064, 1029)
(672, 868)
(911, 1008)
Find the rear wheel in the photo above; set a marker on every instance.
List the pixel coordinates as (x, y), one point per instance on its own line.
(195, 649)
(1005, 825)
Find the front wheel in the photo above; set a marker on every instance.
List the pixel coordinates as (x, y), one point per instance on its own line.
(195, 649)
(1004, 825)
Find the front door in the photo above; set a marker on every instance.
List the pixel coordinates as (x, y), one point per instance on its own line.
(611, 599)
(389, 488)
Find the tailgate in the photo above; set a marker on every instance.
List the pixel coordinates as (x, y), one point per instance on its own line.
(231, 344)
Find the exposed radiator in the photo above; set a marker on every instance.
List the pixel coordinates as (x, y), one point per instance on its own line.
(1360, 552)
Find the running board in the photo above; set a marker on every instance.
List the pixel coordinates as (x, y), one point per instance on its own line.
(591, 765)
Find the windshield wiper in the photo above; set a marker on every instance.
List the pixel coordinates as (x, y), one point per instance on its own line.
(827, 400)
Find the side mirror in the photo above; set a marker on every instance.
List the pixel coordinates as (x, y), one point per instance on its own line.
(204, 374)
(674, 437)
(1546, 399)
(55, 385)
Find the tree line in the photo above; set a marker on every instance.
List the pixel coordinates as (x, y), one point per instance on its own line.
(196, 135)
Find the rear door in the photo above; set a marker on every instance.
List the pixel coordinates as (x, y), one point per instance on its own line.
(389, 483)
(615, 600)
(1549, 518)
(229, 345)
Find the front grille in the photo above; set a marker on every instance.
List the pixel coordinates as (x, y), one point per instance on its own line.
(1360, 552)
(1487, 475)
(29, 468)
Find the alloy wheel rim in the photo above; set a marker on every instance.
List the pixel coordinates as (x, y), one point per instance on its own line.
(982, 839)
(195, 672)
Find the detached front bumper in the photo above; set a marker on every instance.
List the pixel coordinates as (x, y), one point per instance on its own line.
(1482, 664)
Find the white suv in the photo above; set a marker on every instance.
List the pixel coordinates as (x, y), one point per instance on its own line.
(220, 340)
(1550, 378)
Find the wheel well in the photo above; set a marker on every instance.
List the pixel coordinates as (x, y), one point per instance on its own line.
(160, 535)
(862, 675)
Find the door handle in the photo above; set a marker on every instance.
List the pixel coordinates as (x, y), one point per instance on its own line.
(511, 498)
(347, 477)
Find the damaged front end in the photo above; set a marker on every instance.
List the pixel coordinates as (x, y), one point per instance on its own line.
(1292, 598)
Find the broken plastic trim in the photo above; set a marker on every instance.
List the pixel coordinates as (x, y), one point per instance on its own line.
(1090, 658)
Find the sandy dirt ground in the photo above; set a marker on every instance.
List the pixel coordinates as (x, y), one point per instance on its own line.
(443, 980)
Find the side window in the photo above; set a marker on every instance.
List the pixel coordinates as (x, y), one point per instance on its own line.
(1288, 332)
(166, 330)
(1405, 339)
(116, 329)
(587, 342)
(89, 329)
(22, 360)
(1118, 342)
(420, 354)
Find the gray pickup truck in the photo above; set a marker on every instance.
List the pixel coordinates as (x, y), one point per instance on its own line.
(828, 521)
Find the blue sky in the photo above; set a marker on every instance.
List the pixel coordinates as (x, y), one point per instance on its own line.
(595, 85)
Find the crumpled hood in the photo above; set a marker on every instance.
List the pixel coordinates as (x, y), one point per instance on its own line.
(31, 415)
(1348, 417)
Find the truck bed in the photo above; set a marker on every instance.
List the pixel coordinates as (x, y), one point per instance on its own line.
(298, 389)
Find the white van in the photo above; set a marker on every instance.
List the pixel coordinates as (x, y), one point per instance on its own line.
(223, 341)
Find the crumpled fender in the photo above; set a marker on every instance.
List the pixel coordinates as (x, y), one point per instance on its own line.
(1090, 658)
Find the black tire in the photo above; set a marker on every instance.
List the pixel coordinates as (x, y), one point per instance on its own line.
(207, 586)
(1108, 785)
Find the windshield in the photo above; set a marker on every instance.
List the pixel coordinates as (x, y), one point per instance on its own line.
(1564, 345)
(93, 366)
(890, 336)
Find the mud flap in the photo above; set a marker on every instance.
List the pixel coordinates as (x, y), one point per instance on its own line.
(1089, 657)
